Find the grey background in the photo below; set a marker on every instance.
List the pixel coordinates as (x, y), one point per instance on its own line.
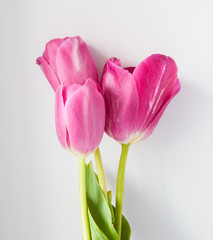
(168, 187)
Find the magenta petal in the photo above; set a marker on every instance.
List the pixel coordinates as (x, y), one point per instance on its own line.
(161, 110)
(69, 90)
(91, 83)
(130, 69)
(50, 52)
(74, 62)
(116, 61)
(85, 120)
(48, 72)
(122, 102)
(59, 117)
(157, 84)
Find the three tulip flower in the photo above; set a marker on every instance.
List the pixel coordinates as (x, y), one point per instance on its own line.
(135, 98)
(127, 104)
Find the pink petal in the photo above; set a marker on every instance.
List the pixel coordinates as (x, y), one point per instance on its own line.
(116, 61)
(50, 52)
(48, 72)
(130, 69)
(91, 83)
(85, 119)
(59, 117)
(69, 90)
(63, 93)
(122, 102)
(161, 110)
(74, 62)
(157, 84)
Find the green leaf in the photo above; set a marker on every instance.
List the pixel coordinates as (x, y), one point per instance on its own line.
(96, 233)
(100, 216)
(125, 228)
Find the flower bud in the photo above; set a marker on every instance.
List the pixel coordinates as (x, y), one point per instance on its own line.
(67, 60)
(80, 116)
(136, 98)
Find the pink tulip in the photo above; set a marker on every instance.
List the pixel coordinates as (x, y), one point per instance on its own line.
(136, 98)
(80, 116)
(67, 60)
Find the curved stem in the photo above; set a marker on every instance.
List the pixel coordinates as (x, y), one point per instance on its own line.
(120, 188)
(83, 200)
(100, 170)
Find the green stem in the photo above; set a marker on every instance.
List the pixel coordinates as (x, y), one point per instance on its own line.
(83, 200)
(100, 170)
(120, 188)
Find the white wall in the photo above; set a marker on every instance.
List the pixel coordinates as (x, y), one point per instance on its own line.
(169, 180)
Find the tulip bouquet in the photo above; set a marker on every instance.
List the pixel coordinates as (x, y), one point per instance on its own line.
(126, 103)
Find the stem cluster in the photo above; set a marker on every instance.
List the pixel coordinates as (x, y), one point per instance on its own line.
(102, 182)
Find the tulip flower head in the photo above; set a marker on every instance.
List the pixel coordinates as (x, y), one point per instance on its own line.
(67, 60)
(80, 116)
(136, 98)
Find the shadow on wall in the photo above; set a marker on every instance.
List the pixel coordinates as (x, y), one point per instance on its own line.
(183, 116)
(100, 60)
(152, 218)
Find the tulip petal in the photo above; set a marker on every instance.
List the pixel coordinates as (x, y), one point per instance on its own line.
(50, 52)
(130, 69)
(91, 83)
(160, 111)
(157, 84)
(116, 61)
(85, 120)
(59, 117)
(74, 62)
(122, 102)
(69, 90)
(48, 72)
